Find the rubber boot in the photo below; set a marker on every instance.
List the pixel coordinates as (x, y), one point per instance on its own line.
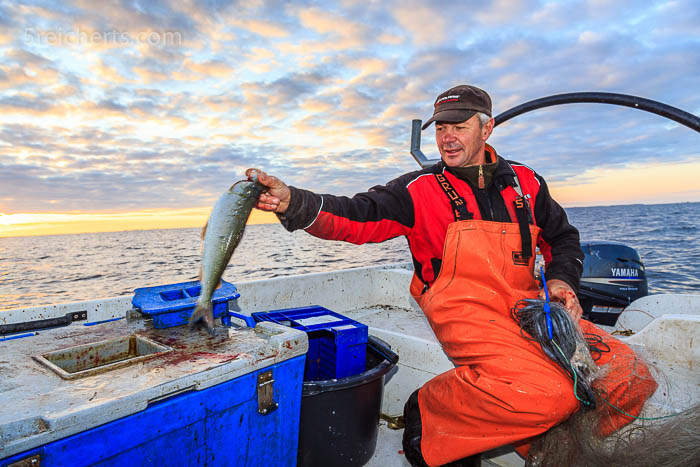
(412, 438)
(471, 461)
(412, 432)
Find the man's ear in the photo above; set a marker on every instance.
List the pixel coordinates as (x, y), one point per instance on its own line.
(487, 129)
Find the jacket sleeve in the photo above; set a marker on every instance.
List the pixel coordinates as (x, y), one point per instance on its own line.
(379, 214)
(559, 241)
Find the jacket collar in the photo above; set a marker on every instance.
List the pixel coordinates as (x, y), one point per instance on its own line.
(502, 177)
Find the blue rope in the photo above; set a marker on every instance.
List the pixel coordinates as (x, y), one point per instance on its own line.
(547, 311)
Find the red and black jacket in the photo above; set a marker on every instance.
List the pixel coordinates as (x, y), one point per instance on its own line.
(414, 205)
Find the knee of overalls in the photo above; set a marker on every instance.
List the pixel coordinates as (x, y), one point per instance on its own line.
(540, 397)
(625, 382)
(547, 401)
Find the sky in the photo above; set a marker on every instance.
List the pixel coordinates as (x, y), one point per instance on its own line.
(118, 115)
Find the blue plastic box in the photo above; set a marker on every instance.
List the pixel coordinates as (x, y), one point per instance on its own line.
(337, 344)
(173, 304)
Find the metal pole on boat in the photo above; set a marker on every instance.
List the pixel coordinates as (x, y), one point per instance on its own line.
(415, 146)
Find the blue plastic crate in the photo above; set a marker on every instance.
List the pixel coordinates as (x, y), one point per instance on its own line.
(172, 304)
(337, 344)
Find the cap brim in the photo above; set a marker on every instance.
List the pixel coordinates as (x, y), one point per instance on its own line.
(450, 116)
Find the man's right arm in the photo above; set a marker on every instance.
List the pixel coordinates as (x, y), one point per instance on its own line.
(303, 212)
(382, 213)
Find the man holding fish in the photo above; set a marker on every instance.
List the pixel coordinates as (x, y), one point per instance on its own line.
(473, 222)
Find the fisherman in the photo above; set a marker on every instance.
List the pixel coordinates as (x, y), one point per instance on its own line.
(473, 222)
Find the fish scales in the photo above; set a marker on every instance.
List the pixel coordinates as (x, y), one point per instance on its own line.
(222, 235)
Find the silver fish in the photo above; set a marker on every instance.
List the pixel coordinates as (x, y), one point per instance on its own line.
(222, 234)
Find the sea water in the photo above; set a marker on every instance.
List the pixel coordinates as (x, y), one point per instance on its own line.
(65, 268)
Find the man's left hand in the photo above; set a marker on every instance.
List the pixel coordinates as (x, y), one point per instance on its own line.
(560, 291)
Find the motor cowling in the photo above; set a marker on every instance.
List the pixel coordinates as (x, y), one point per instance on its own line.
(613, 277)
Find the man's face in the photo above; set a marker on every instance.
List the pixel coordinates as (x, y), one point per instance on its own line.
(462, 144)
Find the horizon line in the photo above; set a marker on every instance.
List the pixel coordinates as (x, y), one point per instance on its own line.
(262, 218)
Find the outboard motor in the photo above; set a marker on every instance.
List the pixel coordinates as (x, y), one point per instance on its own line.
(613, 277)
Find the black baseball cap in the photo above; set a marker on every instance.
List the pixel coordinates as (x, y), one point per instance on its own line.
(459, 104)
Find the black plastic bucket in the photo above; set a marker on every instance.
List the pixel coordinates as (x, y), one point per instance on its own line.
(340, 417)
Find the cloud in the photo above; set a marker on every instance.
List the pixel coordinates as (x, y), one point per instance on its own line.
(23, 70)
(425, 22)
(109, 73)
(265, 28)
(6, 15)
(210, 68)
(27, 58)
(503, 12)
(24, 103)
(368, 66)
(5, 37)
(283, 94)
(336, 31)
(327, 23)
(133, 17)
(677, 19)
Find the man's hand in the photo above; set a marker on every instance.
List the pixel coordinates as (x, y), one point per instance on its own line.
(276, 196)
(560, 291)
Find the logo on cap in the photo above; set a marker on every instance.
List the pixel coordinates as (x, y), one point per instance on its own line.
(444, 99)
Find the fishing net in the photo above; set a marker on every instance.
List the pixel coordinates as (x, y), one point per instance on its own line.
(671, 442)
(605, 436)
(567, 346)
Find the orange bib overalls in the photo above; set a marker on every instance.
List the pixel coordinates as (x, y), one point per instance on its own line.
(504, 389)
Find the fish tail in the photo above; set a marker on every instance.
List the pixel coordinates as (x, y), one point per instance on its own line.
(203, 317)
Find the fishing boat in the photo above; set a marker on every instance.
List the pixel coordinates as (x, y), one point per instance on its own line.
(105, 382)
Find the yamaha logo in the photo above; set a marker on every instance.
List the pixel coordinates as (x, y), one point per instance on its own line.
(624, 272)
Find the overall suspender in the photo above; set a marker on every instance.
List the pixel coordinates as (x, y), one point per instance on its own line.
(521, 204)
(459, 206)
(524, 216)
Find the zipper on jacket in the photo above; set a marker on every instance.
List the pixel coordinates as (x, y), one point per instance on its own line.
(482, 184)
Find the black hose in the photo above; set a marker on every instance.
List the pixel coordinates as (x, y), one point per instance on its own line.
(625, 100)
